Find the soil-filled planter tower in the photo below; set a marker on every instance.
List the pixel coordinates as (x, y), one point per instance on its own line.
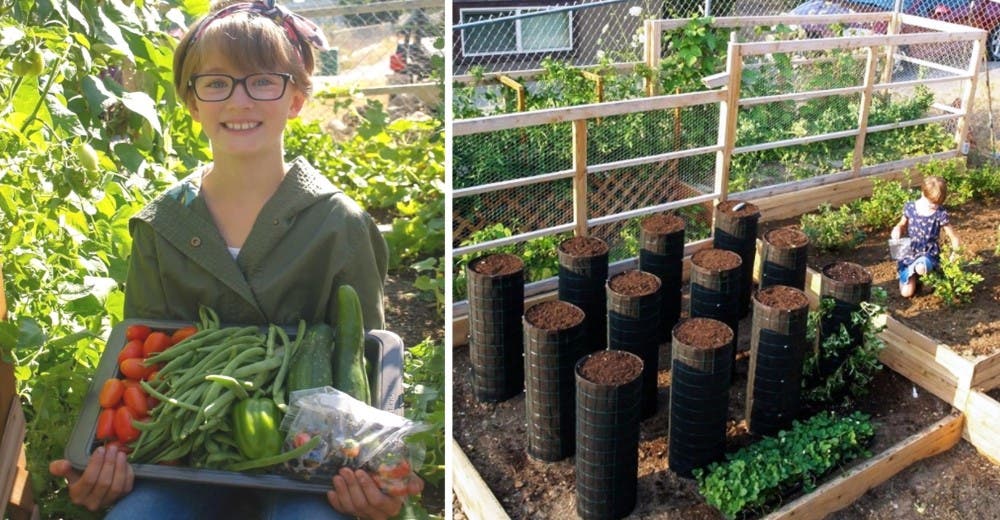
(715, 287)
(661, 252)
(848, 284)
(608, 389)
(583, 271)
(777, 348)
(784, 258)
(736, 231)
(701, 371)
(496, 304)
(633, 317)
(553, 335)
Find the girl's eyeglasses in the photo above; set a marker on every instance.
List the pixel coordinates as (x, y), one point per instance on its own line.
(266, 86)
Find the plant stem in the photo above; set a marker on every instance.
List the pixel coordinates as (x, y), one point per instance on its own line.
(45, 92)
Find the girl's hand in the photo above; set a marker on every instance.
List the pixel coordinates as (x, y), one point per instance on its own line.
(107, 478)
(355, 493)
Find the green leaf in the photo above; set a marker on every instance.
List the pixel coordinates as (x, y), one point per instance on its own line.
(140, 103)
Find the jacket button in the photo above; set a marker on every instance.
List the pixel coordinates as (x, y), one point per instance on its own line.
(195, 241)
(275, 222)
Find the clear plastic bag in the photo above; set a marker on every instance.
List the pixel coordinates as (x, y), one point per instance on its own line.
(898, 247)
(353, 434)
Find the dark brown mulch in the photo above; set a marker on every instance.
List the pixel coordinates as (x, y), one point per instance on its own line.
(663, 224)
(500, 264)
(847, 272)
(782, 297)
(703, 333)
(611, 367)
(553, 315)
(786, 238)
(634, 283)
(584, 246)
(716, 260)
(747, 208)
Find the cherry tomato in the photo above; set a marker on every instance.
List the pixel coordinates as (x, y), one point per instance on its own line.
(111, 393)
(133, 368)
(122, 447)
(123, 425)
(156, 342)
(398, 470)
(182, 334)
(135, 400)
(131, 383)
(132, 349)
(139, 332)
(105, 425)
(300, 439)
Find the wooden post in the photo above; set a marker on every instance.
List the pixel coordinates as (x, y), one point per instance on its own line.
(652, 48)
(863, 111)
(518, 90)
(968, 95)
(598, 87)
(580, 177)
(890, 50)
(728, 115)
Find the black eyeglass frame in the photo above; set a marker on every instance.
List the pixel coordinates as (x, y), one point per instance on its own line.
(286, 78)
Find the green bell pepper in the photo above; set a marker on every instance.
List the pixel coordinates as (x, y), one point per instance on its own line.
(255, 428)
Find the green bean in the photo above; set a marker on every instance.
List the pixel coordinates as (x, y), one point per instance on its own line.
(198, 340)
(279, 380)
(276, 459)
(231, 383)
(151, 391)
(267, 365)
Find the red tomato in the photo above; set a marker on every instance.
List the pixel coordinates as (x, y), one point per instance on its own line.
(111, 393)
(156, 342)
(121, 446)
(300, 439)
(123, 425)
(182, 334)
(133, 368)
(398, 470)
(139, 332)
(105, 425)
(132, 349)
(129, 383)
(135, 401)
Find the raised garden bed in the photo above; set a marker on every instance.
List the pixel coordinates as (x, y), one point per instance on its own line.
(913, 415)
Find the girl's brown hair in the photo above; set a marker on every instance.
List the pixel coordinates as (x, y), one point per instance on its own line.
(251, 42)
(935, 189)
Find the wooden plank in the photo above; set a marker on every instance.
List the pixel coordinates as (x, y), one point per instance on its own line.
(842, 491)
(518, 88)
(10, 449)
(982, 425)
(728, 116)
(961, 368)
(920, 367)
(477, 500)
(857, 42)
(864, 110)
(527, 74)
(580, 178)
(479, 125)
(798, 96)
(986, 373)
(969, 94)
(937, 25)
(652, 48)
(760, 21)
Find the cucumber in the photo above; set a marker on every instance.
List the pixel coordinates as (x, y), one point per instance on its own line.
(348, 360)
(310, 368)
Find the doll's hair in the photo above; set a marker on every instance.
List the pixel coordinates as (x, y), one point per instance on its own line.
(935, 188)
(250, 41)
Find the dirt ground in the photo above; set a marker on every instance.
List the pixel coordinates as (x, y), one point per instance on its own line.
(958, 484)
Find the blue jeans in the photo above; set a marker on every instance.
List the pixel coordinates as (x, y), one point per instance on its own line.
(170, 500)
(906, 272)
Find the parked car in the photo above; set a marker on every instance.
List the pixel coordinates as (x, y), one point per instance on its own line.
(982, 14)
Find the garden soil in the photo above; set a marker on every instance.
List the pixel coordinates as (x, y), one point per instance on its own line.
(957, 484)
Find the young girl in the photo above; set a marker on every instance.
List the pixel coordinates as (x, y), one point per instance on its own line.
(922, 221)
(254, 238)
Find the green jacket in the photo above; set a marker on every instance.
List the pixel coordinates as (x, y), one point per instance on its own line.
(309, 239)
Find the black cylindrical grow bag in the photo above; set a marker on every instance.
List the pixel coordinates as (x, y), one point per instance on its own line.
(715, 287)
(633, 316)
(848, 284)
(661, 252)
(701, 369)
(553, 333)
(496, 304)
(583, 271)
(784, 257)
(736, 231)
(608, 395)
(777, 348)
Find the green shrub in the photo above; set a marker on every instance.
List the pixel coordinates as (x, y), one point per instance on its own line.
(953, 282)
(884, 208)
(833, 229)
(540, 256)
(759, 474)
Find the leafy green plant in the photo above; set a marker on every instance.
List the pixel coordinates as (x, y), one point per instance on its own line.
(953, 281)
(851, 378)
(884, 207)
(762, 473)
(833, 229)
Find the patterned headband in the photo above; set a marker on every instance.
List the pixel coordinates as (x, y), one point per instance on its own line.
(296, 27)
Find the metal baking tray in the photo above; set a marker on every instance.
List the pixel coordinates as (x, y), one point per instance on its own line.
(382, 348)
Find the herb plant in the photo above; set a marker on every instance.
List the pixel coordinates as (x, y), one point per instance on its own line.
(952, 281)
(833, 229)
